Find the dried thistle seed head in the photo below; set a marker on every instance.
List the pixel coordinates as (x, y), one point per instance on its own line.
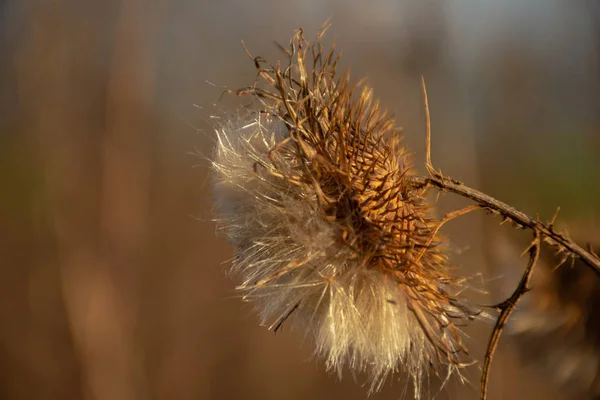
(313, 192)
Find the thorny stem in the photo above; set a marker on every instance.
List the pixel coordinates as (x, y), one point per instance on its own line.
(540, 230)
(508, 212)
(506, 308)
(521, 220)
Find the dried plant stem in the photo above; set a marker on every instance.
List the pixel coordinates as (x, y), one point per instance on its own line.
(542, 233)
(506, 308)
(510, 213)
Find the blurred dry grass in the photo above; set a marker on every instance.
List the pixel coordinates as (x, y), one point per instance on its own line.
(111, 289)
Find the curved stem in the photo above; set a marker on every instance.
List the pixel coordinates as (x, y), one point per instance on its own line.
(506, 308)
(519, 217)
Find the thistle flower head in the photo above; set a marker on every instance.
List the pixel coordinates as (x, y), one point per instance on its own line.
(313, 191)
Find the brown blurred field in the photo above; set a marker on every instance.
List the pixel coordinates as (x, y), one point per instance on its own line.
(112, 281)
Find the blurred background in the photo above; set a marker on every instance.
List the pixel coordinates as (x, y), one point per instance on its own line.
(112, 282)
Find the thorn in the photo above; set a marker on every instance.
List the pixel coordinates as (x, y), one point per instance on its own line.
(559, 250)
(246, 50)
(534, 243)
(590, 249)
(282, 49)
(561, 262)
(428, 164)
(554, 217)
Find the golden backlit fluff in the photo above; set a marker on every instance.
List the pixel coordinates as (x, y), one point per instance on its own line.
(312, 191)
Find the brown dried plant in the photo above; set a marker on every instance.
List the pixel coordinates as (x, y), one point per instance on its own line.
(332, 227)
(557, 326)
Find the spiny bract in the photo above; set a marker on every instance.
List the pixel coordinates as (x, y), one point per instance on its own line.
(313, 192)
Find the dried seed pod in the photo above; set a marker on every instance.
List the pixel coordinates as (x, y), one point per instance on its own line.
(313, 192)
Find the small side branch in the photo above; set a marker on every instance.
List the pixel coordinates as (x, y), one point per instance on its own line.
(447, 217)
(506, 308)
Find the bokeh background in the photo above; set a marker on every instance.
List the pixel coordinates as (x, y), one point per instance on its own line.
(112, 282)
